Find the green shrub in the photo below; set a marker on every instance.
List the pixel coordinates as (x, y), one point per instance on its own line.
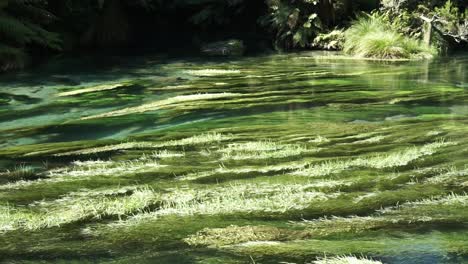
(371, 37)
(333, 40)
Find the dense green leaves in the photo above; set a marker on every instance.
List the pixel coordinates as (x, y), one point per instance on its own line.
(22, 27)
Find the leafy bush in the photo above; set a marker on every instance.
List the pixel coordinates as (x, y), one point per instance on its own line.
(452, 20)
(333, 40)
(371, 37)
(295, 24)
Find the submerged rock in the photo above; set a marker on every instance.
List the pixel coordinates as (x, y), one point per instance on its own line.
(231, 47)
(65, 80)
(7, 98)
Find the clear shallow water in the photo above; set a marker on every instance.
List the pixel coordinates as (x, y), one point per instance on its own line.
(191, 161)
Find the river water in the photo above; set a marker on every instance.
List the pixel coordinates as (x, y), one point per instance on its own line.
(266, 159)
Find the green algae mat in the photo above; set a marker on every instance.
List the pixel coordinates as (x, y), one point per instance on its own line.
(295, 158)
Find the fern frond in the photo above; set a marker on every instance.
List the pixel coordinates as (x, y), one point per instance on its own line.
(44, 38)
(31, 13)
(14, 31)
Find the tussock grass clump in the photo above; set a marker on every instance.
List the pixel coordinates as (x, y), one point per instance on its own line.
(212, 72)
(345, 260)
(161, 104)
(372, 37)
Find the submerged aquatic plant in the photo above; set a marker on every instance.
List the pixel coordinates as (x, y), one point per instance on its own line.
(231, 235)
(262, 150)
(212, 72)
(90, 169)
(162, 154)
(21, 172)
(97, 88)
(206, 138)
(161, 104)
(246, 198)
(395, 159)
(345, 260)
(76, 208)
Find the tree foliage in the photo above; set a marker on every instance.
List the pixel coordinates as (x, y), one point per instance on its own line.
(29, 25)
(22, 25)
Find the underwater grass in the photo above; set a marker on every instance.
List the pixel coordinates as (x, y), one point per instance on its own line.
(80, 170)
(21, 172)
(223, 172)
(217, 237)
(161, 104)
(234, 198)
(395, 159)
(345, 260)
(97, 88)
(206, 138)
(212, 72)
(262, 150)
(65, 211)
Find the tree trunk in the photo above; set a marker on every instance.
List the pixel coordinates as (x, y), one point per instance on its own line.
(111, 28)
(327, 13)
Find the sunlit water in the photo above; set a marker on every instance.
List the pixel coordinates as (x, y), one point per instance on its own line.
(267, 159)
